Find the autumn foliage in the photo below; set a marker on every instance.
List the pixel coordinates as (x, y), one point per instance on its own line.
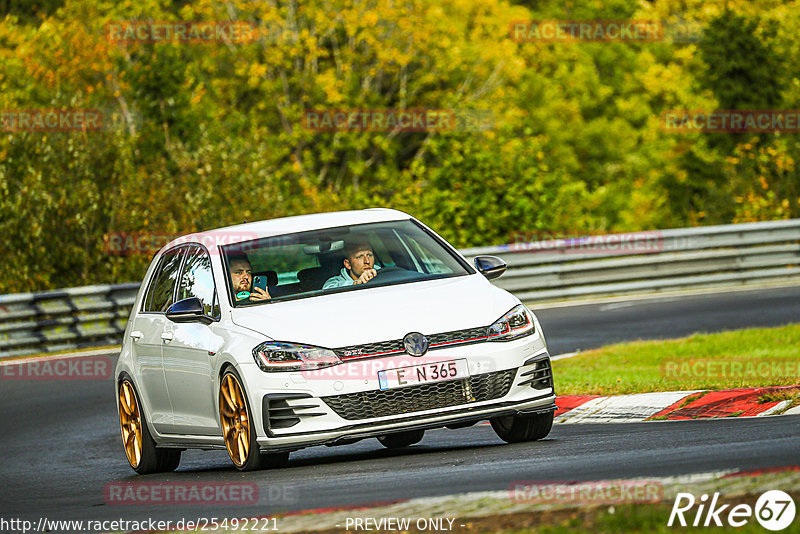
(550, 136)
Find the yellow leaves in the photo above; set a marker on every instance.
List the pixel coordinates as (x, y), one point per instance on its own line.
(370, 18)
(256, 72)
(197, 96)
(685, 54)
(763, 182)
(329, 83)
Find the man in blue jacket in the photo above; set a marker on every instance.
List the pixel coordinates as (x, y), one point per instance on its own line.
(359, 264)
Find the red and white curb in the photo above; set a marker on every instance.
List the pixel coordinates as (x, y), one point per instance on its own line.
(669, 405)
(672, 405)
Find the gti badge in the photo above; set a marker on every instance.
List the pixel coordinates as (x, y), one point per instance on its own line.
(415, 344)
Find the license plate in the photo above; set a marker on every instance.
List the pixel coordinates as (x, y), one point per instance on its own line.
(422, 374)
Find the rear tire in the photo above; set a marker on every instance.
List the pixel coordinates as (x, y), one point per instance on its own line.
(399, 440)
(519, 428)
(140, 448)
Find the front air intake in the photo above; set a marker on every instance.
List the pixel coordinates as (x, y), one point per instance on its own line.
(539, 375)
(278, 413)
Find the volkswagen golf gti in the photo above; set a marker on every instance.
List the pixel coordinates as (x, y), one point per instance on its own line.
(326, 329)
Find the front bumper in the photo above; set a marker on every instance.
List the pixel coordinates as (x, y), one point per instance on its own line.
(315, 409)
(466, 417)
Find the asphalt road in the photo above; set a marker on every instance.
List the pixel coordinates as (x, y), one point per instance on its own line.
(60, 446)
(594, 325)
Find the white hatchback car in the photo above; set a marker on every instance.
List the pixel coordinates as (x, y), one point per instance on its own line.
(268, 337)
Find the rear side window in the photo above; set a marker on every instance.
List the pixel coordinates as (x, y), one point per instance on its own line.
(162, 287)
(198, 281)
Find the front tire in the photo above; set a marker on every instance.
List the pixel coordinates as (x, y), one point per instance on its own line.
(238, 429)
(140, 448)
(519, 428)
(399, 440)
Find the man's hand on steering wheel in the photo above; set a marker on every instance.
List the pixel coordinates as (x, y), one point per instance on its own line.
(366, 276)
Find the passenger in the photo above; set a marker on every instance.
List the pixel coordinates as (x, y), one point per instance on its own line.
(359, 265)
(242, 279)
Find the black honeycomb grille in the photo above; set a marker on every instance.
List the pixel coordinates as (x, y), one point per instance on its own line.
(384, 403)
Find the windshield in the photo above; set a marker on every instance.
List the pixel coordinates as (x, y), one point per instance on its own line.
(331, 260)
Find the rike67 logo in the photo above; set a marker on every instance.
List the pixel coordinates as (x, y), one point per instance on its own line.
(774, 510)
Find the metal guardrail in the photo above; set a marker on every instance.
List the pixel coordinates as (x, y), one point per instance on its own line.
(648, 262)
(561, 269)
(74, 318)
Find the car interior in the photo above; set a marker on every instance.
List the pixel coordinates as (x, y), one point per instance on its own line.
(303, 263)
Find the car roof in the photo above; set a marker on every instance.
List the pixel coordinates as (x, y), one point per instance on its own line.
(287, 225)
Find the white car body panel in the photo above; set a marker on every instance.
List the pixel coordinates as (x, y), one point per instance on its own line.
(382, 313)
(179, 385)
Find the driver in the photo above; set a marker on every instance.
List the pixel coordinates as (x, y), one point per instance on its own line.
(242, 280)
(359, 265)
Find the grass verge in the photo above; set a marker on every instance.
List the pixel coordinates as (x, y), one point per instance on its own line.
(742, 358)
(629, 518)
(498, 512)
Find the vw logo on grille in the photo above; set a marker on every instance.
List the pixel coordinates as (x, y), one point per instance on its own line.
(415, 344)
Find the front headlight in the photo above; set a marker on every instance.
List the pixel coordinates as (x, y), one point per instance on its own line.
(276, 356)
(515, 324)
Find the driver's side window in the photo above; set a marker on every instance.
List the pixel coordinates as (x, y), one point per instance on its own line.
(162, 286)
(197, 280)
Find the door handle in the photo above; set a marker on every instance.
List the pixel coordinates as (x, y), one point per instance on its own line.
(167, 337)
(136, 335)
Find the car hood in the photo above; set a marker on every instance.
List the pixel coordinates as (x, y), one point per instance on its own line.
(381, 313)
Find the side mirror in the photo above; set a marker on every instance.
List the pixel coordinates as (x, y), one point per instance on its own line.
(188, 311)
(490, 266)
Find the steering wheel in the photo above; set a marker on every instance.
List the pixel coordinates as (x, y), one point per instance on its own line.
(395, 274)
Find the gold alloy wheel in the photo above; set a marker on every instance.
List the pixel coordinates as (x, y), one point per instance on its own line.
(235, 421)
(130, 421)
